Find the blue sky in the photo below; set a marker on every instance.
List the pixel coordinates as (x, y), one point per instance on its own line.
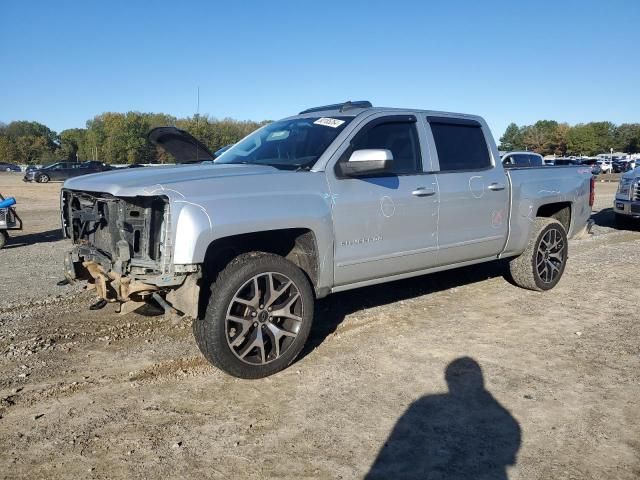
(575, 61)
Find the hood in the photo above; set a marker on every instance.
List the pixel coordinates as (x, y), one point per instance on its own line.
(131, 182)
(632, 173)
(184, 147)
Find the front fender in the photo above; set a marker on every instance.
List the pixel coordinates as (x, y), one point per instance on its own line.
(201, 219)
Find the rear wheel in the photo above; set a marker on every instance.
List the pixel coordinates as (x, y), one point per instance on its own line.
(258, 318)
(542, 264)
(44, 178)
(3, 238)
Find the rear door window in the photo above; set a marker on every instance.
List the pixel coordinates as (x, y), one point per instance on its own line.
(460, 144)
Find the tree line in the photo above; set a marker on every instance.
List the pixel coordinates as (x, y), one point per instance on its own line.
(122, 138)
(548, 137)
(116, 138)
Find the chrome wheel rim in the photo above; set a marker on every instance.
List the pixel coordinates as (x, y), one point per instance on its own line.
(264, 318)
(550, 255)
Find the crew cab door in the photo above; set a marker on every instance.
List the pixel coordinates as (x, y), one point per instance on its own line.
(384, 224)
(474, 195)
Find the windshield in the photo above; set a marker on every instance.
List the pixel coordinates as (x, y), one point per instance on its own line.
(288, 144)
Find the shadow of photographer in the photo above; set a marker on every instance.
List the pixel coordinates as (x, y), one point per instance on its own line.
(462, 434)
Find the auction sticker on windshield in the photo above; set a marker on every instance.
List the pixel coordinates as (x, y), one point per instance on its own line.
(329, 122)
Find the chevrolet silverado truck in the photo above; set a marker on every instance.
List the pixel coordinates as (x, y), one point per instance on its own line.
(626, 206)
(334, 198)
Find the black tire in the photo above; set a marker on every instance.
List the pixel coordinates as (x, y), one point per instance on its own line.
(44, 178)
(535, 270)
(215, 334)
(4, 236)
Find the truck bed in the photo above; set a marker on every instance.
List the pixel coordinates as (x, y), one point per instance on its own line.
(533, 187)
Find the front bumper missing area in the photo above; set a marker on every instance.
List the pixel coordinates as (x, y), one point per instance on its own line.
(178, 295)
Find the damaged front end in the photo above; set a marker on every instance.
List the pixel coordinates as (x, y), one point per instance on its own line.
(122, 247)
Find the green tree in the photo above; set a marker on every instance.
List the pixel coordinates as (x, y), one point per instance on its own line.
(32, 149)
(604, 134)
(544, 137)
(70, 143)
(627, 138)
(34, 141)
(512, 138)
(581, 140)
(8, 150)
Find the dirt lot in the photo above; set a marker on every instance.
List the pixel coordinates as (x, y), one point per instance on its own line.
(90, 394)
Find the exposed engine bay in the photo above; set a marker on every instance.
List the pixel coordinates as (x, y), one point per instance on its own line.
(122, 247)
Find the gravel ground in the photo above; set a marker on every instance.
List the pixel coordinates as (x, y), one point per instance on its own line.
(31, 262)
(460, 367)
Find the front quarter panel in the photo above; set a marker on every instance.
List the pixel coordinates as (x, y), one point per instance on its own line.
(208, 210)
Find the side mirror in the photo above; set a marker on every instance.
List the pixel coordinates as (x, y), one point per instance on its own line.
(367, 162)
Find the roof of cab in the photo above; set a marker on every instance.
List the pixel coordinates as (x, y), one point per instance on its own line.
(355, 108)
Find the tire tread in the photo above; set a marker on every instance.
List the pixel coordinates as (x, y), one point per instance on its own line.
(209, 333)
(522, 267)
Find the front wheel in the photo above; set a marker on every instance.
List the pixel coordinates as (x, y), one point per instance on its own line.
(3, 238)
(542, 264)
(258, 318)
(44, 178)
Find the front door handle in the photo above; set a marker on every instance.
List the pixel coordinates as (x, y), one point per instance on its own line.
(496, 187)
(423, 192)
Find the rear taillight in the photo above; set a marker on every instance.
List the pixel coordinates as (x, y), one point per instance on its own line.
(592, 191)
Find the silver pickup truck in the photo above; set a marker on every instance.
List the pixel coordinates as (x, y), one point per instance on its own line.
(331, 199)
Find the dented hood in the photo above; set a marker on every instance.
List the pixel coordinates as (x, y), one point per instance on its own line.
(182, 145)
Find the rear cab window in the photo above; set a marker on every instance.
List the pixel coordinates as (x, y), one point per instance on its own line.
(522, 160)
(460, 144)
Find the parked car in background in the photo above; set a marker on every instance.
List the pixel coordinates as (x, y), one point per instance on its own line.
(63, 170)
(9, 167)
(605, 166)
(623, 165)
(626, 205)
(522, 159)
(596, 169)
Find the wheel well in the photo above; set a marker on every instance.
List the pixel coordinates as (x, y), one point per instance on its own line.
(295, 244)
(561, 211)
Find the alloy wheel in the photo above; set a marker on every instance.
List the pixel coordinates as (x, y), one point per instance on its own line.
(551, 255)
(264, 318)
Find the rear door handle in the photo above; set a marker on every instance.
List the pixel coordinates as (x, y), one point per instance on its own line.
(423, 192)
(496, 186)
